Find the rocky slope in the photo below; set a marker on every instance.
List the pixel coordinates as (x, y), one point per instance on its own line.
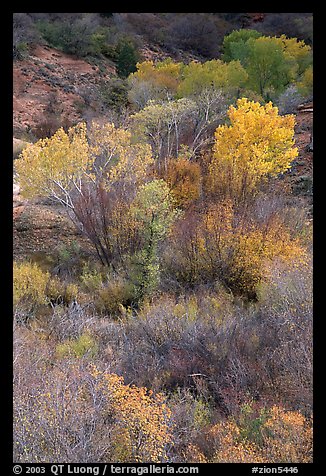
(51, 82)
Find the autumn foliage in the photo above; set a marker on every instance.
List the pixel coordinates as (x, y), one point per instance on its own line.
(258, 143)
(180, 328)
(273, 436)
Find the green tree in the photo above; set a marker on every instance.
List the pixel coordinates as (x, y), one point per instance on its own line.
(215, 74)
(272, 63)
(234, 44)
(127, 58)
(154, 213)
(268, 68)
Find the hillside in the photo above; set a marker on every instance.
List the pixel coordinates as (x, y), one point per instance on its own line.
(162, 238)
(52, 84)
(52, 87)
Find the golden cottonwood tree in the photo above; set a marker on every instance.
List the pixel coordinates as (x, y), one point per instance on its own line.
(95, 175)
(58, 166)
(164, 74)
(257, 144)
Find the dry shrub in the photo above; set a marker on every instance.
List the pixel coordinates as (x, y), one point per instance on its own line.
(29, 283)
(268, 435)
(58, 292)
(286, 437)
(184, 180)
(115, 297)
(84, 344)
(75, 412)
(142, 429)
(35, 287)
(111, 294)
(219, 243)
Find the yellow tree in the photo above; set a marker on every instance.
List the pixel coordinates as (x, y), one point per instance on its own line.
(155, 81)
(95, 175)
(258, 143)
(58, 166)
(54, 166)
(297, 52)
(164, 74)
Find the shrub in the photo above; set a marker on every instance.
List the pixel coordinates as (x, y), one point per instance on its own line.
(195, 32)
(298, 25)
(114, 93)
(29, 283)
(33, 287)
(184, 180)
(115, 296)
(142, 430)
(58, 292)
(71, 35)
(289, 100)
(154, 213)
(284, 437)
(69, 260)
(91, 280)
(24, 34)
(219, 244)
(100, 417)
(83, 345)
(305, 84)
(18, 146)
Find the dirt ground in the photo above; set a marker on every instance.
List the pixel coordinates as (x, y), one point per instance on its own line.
(43, 228)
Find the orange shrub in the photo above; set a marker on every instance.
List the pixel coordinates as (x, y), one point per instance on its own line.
(184, 180)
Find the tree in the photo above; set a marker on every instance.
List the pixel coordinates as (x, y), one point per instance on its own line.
(272, 63)
(170, 126)
(298, 53)
(234, 44)
(72, 34)
(55, 166)
(94, 176)
(156, 81)
(161, 125)
(257, 144)
(197, 77)
(268, 68)
(127, 58)
(154, 214)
